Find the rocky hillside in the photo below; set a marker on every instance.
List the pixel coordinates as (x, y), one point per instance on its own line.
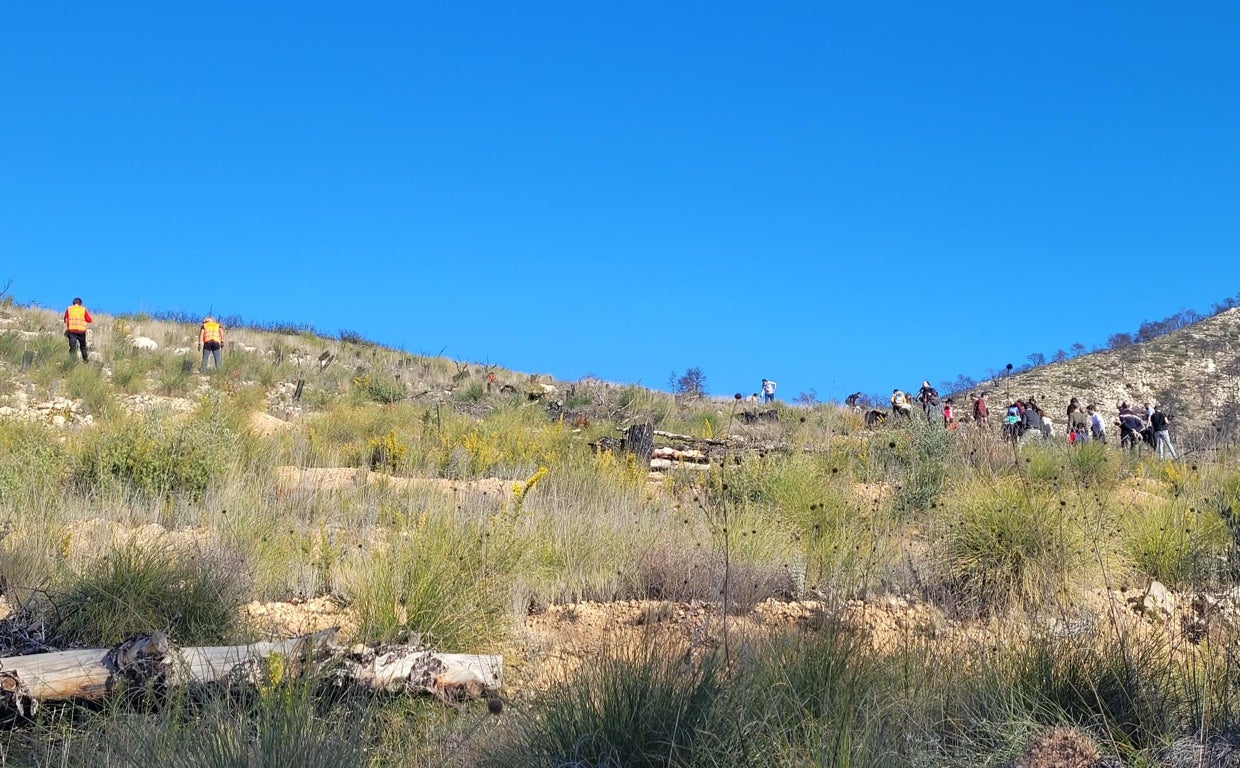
(1193, 372)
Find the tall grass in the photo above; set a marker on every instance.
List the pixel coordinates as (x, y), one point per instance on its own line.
(194, 596)
(156, 456)
(439, 582)
(634, 707)
(1010, 544)
(1003, 540)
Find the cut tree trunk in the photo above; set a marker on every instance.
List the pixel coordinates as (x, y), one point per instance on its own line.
(149, 661)
(639, 440)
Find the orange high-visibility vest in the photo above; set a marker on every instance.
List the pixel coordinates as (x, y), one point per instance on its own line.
(212, 332)
(76, 318)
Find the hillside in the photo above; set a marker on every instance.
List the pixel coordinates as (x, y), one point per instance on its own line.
(771, 586)
(1194, 372)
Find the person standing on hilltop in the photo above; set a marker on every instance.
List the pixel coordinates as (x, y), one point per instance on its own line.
(981, 412)
(76, 319)
(900, 405)
(1078, 423)
(1096, 427)
(1162, 433)
(768, 391)
(1130, 428)
(927, 397)
(210, 341)
(1074, 405)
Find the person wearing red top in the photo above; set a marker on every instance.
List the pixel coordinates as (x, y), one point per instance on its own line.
(76, 320)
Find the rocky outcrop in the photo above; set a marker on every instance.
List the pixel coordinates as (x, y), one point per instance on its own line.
(1193, 372)
(58, 412)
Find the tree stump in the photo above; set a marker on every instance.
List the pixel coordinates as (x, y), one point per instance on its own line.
(639, 441)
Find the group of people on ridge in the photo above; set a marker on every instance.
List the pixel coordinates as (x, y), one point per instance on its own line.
(927, 397)
(1025, 417)
(77, 318)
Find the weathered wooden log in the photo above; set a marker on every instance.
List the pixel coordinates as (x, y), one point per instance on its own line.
(663, 464)
(26, 682)
(680, 438)
(402, 668)
(677, 455)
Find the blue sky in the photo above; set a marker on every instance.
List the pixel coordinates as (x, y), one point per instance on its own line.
(836, 196)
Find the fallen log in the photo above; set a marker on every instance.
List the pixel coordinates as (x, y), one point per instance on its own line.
(148, 661)
(671, 453)
(689, 438)
(681, 438)
(661, 464)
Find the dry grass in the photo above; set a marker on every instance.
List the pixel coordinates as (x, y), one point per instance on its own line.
(487, 507)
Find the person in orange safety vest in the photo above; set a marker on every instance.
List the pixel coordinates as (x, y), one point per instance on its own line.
(76, 320)
(210, 341)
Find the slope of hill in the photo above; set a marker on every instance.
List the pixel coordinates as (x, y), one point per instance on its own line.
(1193, 372)
(788, 586)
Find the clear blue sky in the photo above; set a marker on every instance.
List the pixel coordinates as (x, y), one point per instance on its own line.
(837, 196)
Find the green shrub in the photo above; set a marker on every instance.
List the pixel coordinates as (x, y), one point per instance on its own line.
(914, 461)
(379, 388)
(33, 461)
(437, 581)
(174, 381)
(32, 559)
(1181, 547)
(87, 383)
(642, 707)
(1007, 544)
(129, 375)
(475, 393)
(194, 595)
(285, 726)
(157, 456)
(386, 454)
(812, 699)
(1093, 466)
(1128, 689)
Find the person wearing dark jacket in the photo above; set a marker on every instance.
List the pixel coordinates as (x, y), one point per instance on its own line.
(1130, 427)
(1078, 425)
(1032, 419)
(1162, 434)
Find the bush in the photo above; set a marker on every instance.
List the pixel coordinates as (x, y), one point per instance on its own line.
(809, 700)
(636, 708)
(689, 573)
(86, 383)
(1008, 545)
(474, 393)
(1181, 547)
(129, 375)
(438, 583)
(386, 454)
(915, 461)
(379, 388)
(193, 595)
(283, 727)
(1093, 465)
(157, 457)
(174, 380)
(1123, 687)
(33, 461)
